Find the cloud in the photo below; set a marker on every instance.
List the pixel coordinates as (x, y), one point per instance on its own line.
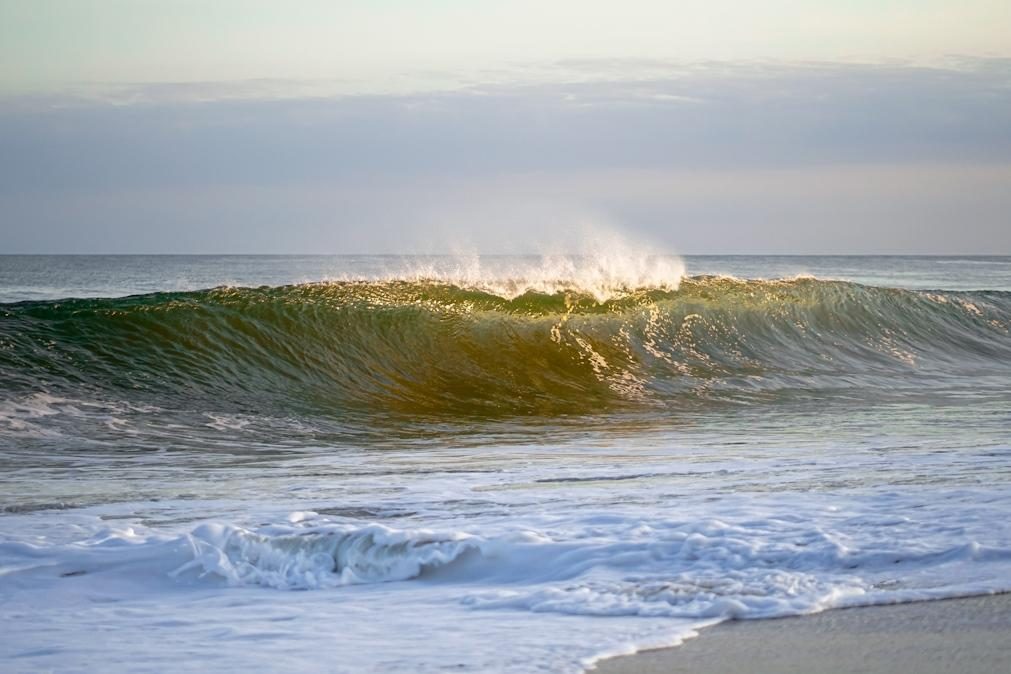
(768, 116)
(714, 146)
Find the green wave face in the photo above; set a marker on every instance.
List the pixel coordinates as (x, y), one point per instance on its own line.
(396, 347)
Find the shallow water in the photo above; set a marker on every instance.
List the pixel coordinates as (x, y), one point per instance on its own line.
(496, 464)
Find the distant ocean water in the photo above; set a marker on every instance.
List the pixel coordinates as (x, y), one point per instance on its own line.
(496, 464)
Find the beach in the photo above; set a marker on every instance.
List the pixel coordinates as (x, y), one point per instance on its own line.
(968, 635)
(503, 465)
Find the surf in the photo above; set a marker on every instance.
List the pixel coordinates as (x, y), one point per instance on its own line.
(525, 347)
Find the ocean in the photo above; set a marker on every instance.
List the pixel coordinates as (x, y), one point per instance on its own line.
(485, 464)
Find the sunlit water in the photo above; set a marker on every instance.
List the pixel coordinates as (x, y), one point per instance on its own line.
(495, 464)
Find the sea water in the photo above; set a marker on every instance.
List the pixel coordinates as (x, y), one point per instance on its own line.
(397, 464)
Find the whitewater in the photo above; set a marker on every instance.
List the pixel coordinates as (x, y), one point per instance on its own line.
(526, 464)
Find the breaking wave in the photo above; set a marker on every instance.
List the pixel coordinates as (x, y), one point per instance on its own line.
(434, 347)
(660, 568)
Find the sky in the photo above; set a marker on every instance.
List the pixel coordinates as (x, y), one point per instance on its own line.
(396, 126)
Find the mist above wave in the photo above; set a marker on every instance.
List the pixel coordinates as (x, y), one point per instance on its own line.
(604, 275)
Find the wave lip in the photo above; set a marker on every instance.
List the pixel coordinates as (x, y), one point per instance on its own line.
(603, 276)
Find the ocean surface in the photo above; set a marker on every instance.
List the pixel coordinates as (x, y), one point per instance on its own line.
(495, 464)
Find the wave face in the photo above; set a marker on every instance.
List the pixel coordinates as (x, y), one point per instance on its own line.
(433, 348)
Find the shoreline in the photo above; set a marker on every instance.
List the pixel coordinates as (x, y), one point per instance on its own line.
(966, 635)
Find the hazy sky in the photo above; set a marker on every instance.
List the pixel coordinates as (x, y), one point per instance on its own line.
(399, 126)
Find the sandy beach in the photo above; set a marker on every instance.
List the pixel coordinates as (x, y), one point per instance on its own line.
(968, 636)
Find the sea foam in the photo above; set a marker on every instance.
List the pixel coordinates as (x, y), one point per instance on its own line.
(627, 577)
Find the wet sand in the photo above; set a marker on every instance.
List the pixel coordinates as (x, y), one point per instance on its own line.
(965, 636)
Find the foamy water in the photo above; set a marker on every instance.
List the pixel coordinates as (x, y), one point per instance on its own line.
(176, 506)
(604, 275)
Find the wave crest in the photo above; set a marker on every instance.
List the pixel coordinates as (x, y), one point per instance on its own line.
(603, 276)
(329, 558)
